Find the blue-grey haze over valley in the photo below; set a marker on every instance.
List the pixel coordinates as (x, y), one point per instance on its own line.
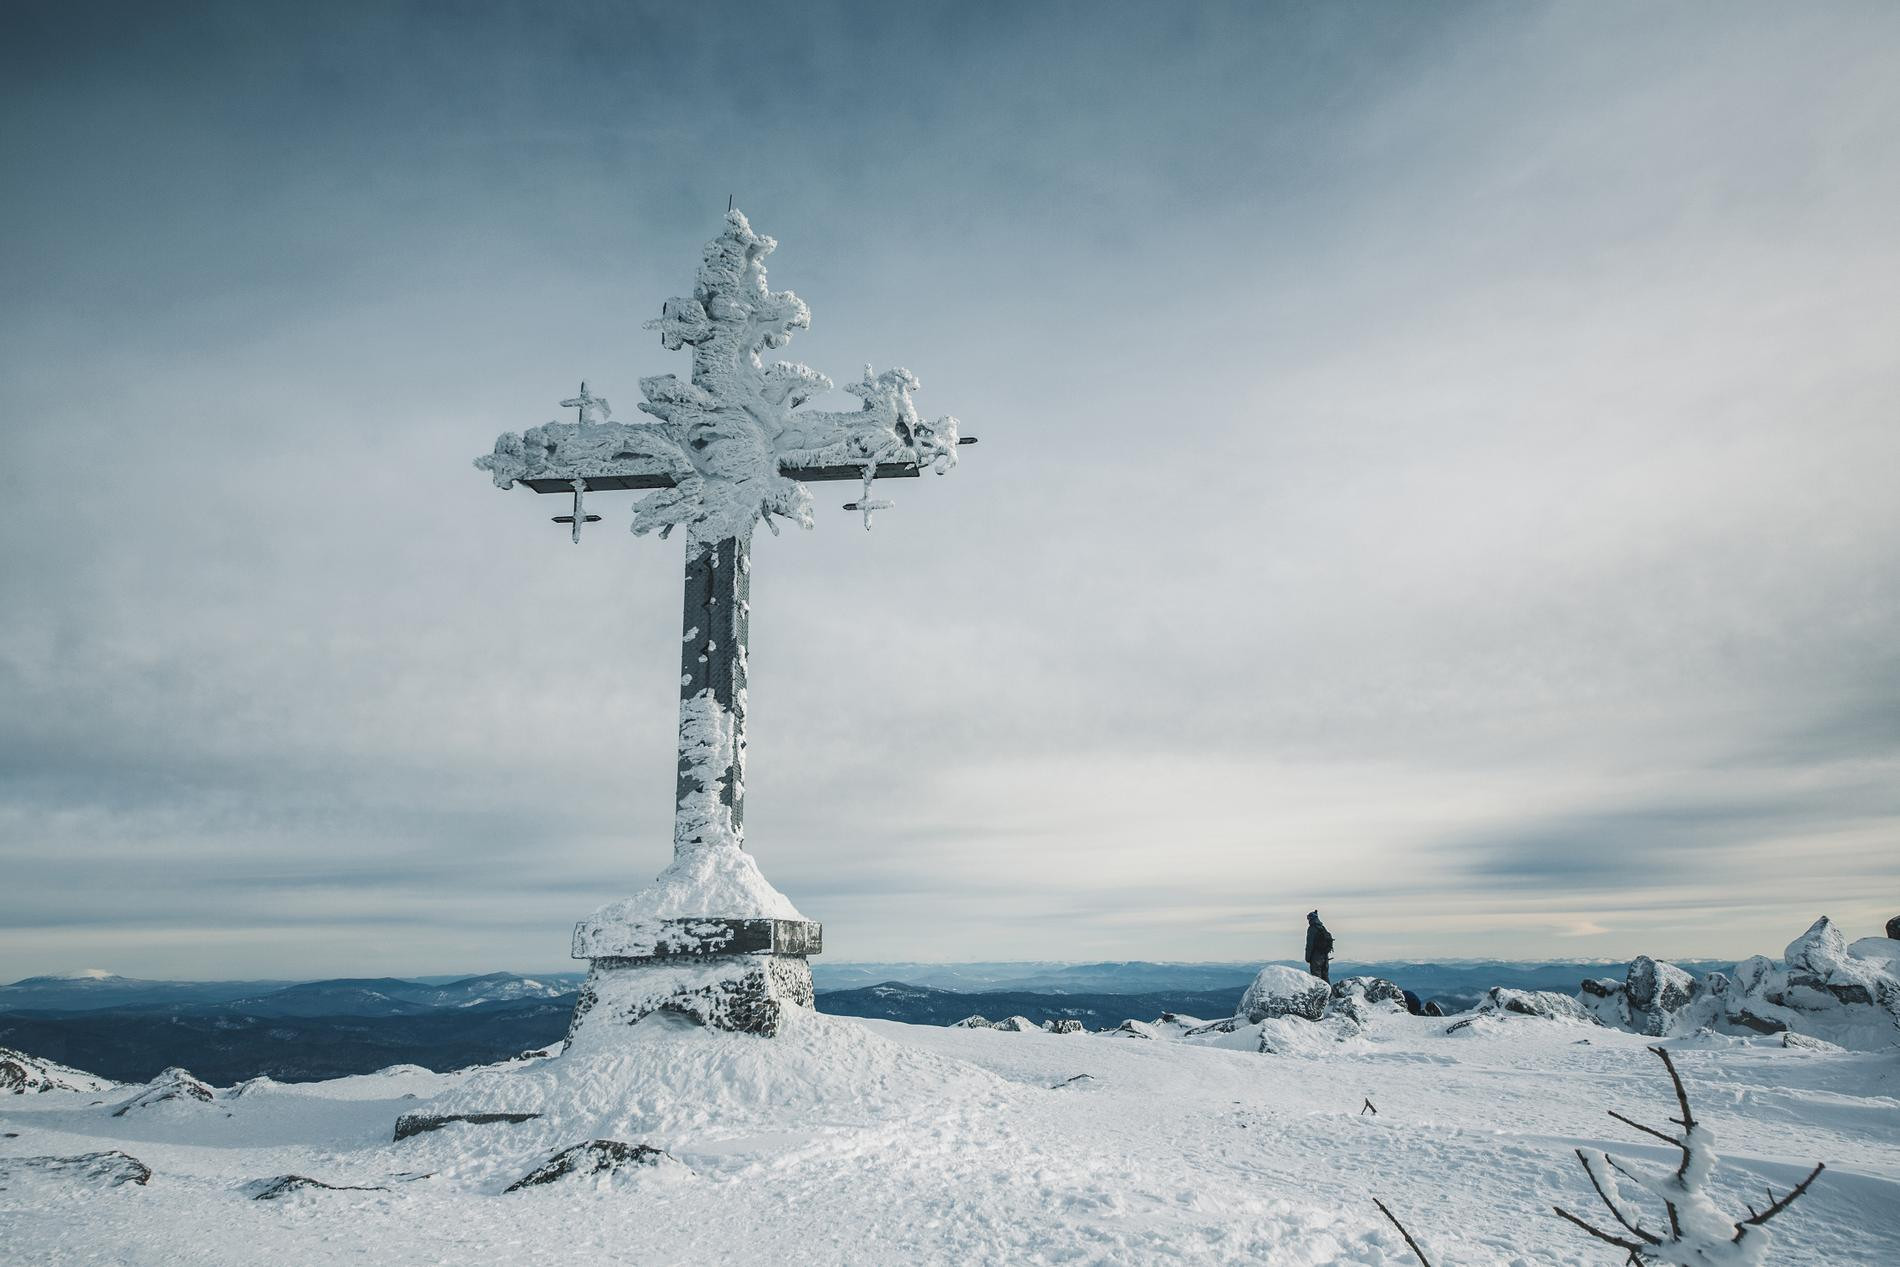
(1437, 466)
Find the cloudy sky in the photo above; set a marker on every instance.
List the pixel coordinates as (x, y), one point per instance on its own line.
(1439, 464)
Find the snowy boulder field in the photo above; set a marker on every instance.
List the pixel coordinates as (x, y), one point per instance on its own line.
(1822, 989)
(848, 1141)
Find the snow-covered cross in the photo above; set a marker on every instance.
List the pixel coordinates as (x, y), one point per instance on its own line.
(580, 515)
(587, 406)
(725, 449)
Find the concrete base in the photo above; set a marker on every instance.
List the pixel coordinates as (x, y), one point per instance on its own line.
(744, 993)
(596, 939)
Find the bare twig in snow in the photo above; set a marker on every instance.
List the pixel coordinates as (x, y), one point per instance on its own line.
(1698, 1231)
(1410, 1243)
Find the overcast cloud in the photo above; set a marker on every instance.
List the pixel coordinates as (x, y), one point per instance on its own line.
(1438, 464)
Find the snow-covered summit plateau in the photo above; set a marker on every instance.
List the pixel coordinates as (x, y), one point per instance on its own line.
(845, 1141)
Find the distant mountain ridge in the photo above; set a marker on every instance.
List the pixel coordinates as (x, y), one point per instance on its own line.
(345, 996)
(927, 1005)
(225, 1048)
(226, 1031)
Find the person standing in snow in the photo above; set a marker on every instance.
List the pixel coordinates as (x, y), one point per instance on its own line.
(1319, 947)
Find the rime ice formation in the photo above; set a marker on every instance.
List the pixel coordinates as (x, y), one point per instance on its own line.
(724, 437)
(711, 939)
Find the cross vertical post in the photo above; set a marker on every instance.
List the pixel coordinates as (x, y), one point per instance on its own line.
(715, 626)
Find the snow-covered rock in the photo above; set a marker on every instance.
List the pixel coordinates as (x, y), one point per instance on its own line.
(1822, 987)
(1655, 992)
(1281, 991)
(1371, 989)
(1016, 1025)
(1067, 1025)
(1605, 999)
(1881, 950)
(1819, 961)
(1355, 999)
(174, 1086)
(109, 1169)
(289, 1185)
(1545, 1005)
(21, 1073)
(598, 1160)
(422, 1123)
(973, 1022)
(1295, 1036)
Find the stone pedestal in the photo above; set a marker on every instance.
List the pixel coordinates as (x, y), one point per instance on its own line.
(731, 974)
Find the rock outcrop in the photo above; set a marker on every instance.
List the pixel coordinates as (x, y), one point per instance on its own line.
(597, 1159)
(1655, 993)
(1357, 998)
(1545, 1005)
(174, 1086)
(1822, 987)
(422, 1123)
(103, 1170)
(21, 1073)
(1283, 991)
(1067, 1025)
(289, 1185)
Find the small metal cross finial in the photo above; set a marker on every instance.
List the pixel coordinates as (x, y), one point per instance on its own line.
(580, 515)
(865, 505)
(587, 406)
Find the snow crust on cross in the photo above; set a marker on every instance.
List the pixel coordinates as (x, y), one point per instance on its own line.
(723, 434)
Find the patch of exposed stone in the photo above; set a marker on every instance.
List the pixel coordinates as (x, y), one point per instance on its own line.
(108, 1169)
(421, 1123)
(289, 1185)
(593, 1159)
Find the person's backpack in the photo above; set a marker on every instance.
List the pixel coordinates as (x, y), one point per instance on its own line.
(1325, 944)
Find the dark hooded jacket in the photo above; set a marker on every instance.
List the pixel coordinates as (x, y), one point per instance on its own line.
(1319, 942)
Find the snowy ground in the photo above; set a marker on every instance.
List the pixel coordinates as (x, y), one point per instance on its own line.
(851, 1141)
